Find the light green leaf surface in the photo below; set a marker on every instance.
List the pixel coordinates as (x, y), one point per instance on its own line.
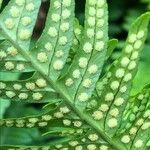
(118, 79)
(17, 23)
(87, 64)
(112, 44)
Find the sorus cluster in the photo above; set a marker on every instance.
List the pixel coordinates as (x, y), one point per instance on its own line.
(92, 43)
(24, 90)
(140, 126)
(11, 21)
(55, 51)
(120, 77)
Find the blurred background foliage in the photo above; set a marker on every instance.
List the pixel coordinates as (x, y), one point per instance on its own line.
(121, 14)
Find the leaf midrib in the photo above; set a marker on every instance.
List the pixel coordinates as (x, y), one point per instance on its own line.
(86, 118)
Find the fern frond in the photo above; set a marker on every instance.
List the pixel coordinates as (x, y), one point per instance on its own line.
(53, 47)
(135, 107)
(88, 141)
(34, 89)
(119, 77)
(87, 64)
(82, 117)
(16, 22)
(66, 145)
(138, 134)
(112, 44)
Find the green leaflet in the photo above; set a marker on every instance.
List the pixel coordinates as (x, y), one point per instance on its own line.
(138, 135)
(135, 127)
(53, 47)
(78, 31)
(111, 46)
(34, 89)
(87, 64)
(74, 142)
(59, 120)
(140, 80)
(15, 21)
(136, 105)
(120, 76)
(67, 144)
(16, 66)
(30, 121)
(75, 45)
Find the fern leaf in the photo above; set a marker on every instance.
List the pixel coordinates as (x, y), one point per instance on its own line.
(34, 89)
(60, 118)
(16, 22)
(136, 105)
(115, 94)
(56, 39)
(67, 114)
(111, 46)
(74, 142)
(135, 125)
(138, 134)
(28, 122)
(86, 67)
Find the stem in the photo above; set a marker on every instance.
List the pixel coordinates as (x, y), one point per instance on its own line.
(83, 116)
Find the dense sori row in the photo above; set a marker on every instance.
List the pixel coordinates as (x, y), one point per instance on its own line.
(34, 89)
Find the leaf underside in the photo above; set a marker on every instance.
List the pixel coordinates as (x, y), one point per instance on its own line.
(84, 110)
